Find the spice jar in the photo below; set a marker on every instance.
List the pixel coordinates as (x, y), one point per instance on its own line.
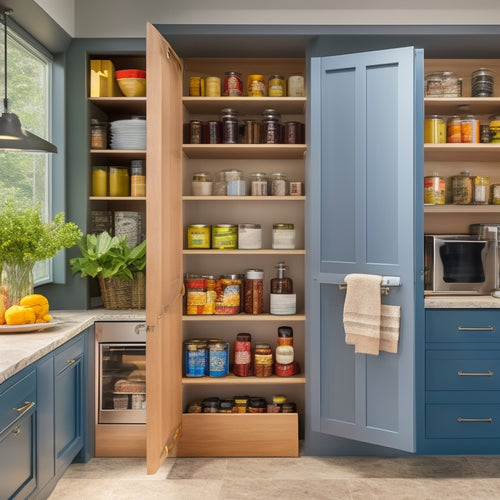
(285, 335)
(276, 86)
(241, 404)
(462, 188)
(249, 236)
(195, 358)
(271, 127)
(210, 405)
(98, 134)
(481, 189)
(119, 181)
(259, 184)
(242, 355)
(137, 178)
(257, 405)
(218, 358)
(233, 84)
(201, 185)
(226, 406)
(229, 119)
(100, 181)
(278, 184)
(283, 237)
(254, 291)
(263, 360)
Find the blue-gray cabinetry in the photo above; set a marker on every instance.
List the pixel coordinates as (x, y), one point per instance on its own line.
(462, 382)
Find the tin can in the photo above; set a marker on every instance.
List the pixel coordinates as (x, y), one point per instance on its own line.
(434, 190)
(462, 188)
(228, 295)
(470, 129)
(296, 86)
(218, 358)
(198, 236)
(249, 236)
(195, 358)
(276, 86)
(229, 126)
(196, 86)
(454, 129)
(225, 236)
(283, 237)
(195, 132)
(212, 132)
(212, 86)
(434, 130)
(292, 133)
(256, 86)
(233, 84)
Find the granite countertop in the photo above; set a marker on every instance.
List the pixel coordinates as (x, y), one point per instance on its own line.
(19, 350)
(462, 302)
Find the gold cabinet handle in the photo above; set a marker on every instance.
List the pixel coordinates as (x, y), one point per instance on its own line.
(16, 431)
(489, 373)
(27, 405)
(489, 420)
(475, 329)
(70, 361)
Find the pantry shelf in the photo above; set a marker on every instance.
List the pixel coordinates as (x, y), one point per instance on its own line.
(461, 152)
(461, 105)
(244, 317)
(128, 105)
(245, 151)
(454, 209)
(232, 379)
(244, 198)
(264, 251)
(117, 198)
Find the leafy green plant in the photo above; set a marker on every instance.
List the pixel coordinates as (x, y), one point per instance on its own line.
(25, 238)
(109, 257)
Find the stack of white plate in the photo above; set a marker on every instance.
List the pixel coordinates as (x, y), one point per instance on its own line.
(128, 134)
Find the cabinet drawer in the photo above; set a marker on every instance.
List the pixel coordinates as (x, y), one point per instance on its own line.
(462, 370)
(462, 325)
(69, 354)
(17, 400)
(462, 421)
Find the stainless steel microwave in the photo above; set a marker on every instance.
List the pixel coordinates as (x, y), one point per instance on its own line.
(459, 264)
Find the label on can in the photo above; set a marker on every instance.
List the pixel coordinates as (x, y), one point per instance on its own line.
(434, 190)
(434, 130)
(233, 84)
(227, 300)
(225, 236)
(198, 236)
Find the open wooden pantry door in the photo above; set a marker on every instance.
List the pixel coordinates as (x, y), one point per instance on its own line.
(164, 252)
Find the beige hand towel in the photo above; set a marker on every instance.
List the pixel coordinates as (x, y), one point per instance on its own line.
(389, 328)
(362, 312)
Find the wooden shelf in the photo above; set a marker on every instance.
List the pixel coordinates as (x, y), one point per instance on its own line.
(462, 105)
(232, 379)
(261, 251)
(462, 152)
(245, 105)
(253, 199)
(134, 105)
(117, 198)
(457, 209)
(117, 155)
(244, 317)
(245, 151)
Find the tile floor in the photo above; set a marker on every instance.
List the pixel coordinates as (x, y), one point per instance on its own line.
(349, 478)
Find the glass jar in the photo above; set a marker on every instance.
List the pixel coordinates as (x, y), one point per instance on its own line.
(98, 134)
(263, 360)
(195, 132)
(296, 86)
(212, 132)
(251, 132)
(462, 188)
(212, 86)
(279, 184)
(481, 189)
(495, 129)
(241, 403)
(271, 127)
(257, 405)
(482, 83)
(99, 181)
(276, 86)
(495, 194)
(242, 355)
(210, 405)
(283, 237)
(249, 236)
(219, 187)
(226, 406)
(228, 294)
(259, 184)
(470, 129)
(285, 335)
(201, 185)
(256, 86)
(119, 181)
(435, 130)
(233, 84)
(454, 129)
(137, 178)
(195, 358)
(229, 119)
(254, 291)
(218, 358)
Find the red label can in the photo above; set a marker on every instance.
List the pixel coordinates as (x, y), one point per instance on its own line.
(233, 84)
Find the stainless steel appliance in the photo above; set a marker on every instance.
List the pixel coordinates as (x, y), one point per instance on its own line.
(460, 264)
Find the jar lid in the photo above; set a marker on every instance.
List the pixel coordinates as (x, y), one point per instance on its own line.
(229, 111)
(257, 402)
(281, 77)
(249, 226)
(279, 399)
(255, 274)
(285, 331)
(232, 73)
(259, 175)
(262, 346)
(283, 226)
(231, 276)
(244, 337)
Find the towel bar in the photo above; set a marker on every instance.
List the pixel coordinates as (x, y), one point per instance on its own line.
(384, 290)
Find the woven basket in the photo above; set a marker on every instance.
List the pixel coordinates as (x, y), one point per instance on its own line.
(116, 294)
(138, 297)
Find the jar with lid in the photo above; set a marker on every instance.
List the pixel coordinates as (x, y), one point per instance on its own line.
(218, 358)
(254, 291)
(98, 134)
(226, 406)
(196, 86)
(99, 181)
(210, 405)
(454, 129)
(276, 86)
(229, 119)
(434, 190)
(212, 86)
(482, 83)
(249, 236)
(442, 84)
(462, 188)
(296, 86)
(284, 354)
(435, 130)
(282, 298)
(470, 129)
(241, 403)
(257, 405)
(271, 127)
(233, 84)
(219, 187)
(137, 178)
(228, 294)
(256, 86)
(195, 132)
(263, 360)
(259, 184)
(243, 355)
(279, 184)
(195, 358)
(251, 132)
(293, 132)
(481, 189)
(495, 194)
(494, 129)
(119, 181)
(283, 237)
(285, 335)
(202, 184)
(212, 132)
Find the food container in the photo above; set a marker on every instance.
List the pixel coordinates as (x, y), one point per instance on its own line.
(98, 134)
(296, 86)
(233, 84)
(137, 178)
(434, 130)
(251, 132)
(198, 236)
(257, 405)
(278, 184)
(434, 190)
(495, 129)
(195, 358)
(283, 237)
(195, 134)
(495, 194)
(470, 129)
(212, 86)
(212, 132)
(201, 185)
(210, 405)
(249, 236)
(256, 86)
(225, 236)
(228, 294)
(258, 184)
(462, 189)
(482, 83)
(120, 401)
(263, 360)
(254, 292)
(119, 181)
(200, 294)
(481, 190)
(442, 84)
(241, 404)
(218, 358)
(454, 129)
(196, 86)
(230, 130)
(242, 355)
(271, 127)
(276, 86)
(99, 181)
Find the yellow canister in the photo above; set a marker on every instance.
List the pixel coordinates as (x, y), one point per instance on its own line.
(434, 130)
(100, 181)
(256, 85)
(495, 129)
(198, 236)
(276, 85)
(119, 181)
(212, 86)
(434, 190)
(225, 236)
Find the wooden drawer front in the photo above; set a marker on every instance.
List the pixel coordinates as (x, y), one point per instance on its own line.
(17, 400)
(69, 355)
(462, 421)
(462, 325)
(462, 370)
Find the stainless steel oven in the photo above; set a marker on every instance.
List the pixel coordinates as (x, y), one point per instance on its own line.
(121, 372)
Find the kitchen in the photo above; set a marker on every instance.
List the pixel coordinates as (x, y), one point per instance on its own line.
(177, 35)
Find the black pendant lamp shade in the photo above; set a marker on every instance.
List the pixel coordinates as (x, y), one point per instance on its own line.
(13, 137)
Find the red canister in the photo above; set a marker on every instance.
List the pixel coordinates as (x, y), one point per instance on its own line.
(233, 84)
(242, 355)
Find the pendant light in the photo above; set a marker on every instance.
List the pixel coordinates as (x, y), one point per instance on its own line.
(13, 137)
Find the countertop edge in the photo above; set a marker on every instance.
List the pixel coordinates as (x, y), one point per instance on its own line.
(461, 302)
(20, 350)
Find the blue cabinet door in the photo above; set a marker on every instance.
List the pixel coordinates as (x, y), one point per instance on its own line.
(364, 215)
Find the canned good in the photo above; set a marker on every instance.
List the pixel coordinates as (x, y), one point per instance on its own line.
(225, 236)
(462, 188)
(434, 190)
(276, 86)
(212, 132)
(233, 84)
(256, 86)
(495, 129)
(251, 132)
(227, 298)
(495, 194)
(198, 236)
(196, 86)
(218, 358)
(212, 86)
(482, 83)
(229, 126)
(296, 86)
(195, 358)
(434, 130)
(283, 237)
(454, 129)
(470, 129)
(481, 189)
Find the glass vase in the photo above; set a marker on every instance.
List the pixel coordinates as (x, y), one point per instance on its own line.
(17, 280)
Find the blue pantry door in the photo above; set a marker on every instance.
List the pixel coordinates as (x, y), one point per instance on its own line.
(365, 165)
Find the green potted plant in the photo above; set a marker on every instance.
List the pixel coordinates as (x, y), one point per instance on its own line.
(118, 268)
(26, 239)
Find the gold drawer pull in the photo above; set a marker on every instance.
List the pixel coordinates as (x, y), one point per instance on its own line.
(26, 407)
(16, 431)
(69, 361)
(489, 373)
(489, 420)
(476, 329)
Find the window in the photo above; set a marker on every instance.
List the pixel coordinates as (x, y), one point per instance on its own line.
(27, 175)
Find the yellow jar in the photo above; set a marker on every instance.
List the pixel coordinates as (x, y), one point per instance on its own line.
(256, 86)
(212, 86)
(276, 86)
(434, 130)
(100, 181)
(119, 181)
